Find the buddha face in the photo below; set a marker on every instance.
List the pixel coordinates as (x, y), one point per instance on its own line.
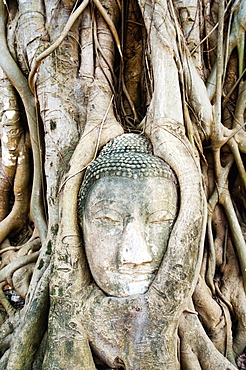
(126, 227)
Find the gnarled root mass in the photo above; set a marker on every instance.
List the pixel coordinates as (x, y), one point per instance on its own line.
(172, 70)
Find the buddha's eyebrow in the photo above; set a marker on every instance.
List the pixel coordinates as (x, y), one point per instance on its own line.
(105, 202)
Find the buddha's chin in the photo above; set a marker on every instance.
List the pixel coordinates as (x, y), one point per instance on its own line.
(126, 286)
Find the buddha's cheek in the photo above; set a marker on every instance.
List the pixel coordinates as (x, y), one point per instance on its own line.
(102, 250)
(157, 237)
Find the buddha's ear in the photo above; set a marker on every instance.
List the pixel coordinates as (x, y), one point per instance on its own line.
(181, 264)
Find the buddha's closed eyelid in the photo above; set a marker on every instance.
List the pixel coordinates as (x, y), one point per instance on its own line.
(160, 216)
(108, 214)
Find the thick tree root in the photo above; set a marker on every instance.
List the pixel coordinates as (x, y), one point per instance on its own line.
(198, 348)
(16, 77)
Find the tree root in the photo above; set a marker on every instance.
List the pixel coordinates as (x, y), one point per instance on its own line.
(211, 314)
(110, 24)
(17, 218)
(15, 166)
(73, 17)
(16, 77)
(21, 279)
(193, 337)
(233, 290)
(10, 325)
(31, 328)
(7, 272)
(6, 334)
(237, 235)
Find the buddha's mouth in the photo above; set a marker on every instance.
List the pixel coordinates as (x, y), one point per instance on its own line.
(138, 270)
(126, 282)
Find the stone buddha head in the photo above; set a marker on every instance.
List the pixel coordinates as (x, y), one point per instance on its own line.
(127, 205)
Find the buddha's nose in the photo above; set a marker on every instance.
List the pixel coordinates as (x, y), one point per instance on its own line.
(134, 248)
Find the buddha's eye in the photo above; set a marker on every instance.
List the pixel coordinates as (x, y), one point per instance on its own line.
(107, 220)
(160, 217)
(108, 217)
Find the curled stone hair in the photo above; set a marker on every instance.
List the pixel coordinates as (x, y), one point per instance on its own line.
(128, 155)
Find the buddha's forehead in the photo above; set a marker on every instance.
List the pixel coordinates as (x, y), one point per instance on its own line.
(126, 193)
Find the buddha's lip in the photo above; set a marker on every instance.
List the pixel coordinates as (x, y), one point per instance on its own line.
(134, 270)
